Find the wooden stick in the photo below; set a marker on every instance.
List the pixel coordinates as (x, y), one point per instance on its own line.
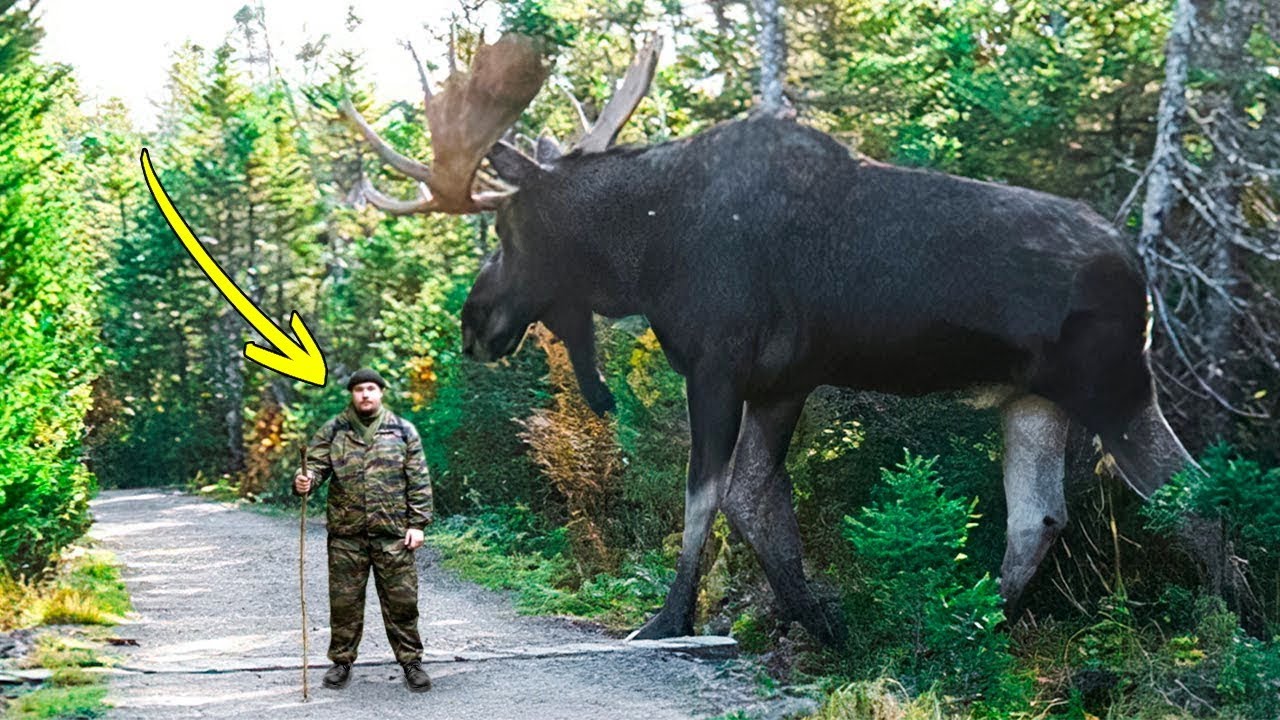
(302, 587)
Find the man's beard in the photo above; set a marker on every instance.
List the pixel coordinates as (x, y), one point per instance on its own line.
(366, 413)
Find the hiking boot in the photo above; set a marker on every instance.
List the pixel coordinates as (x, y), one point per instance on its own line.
(338, 676)
(415, 677)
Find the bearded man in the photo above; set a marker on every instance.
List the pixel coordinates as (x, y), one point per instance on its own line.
(379, 504)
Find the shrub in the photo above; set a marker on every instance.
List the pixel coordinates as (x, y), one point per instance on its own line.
(577, 452)
(1245, 497)
(929, 625)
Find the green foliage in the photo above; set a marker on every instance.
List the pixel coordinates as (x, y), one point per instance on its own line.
(836, 472)
(1240, 493)
(1206, 667)
(925, 621)
(1055, 95)
(513, 548)
(537, 19)
(652, 433)
(53, 652)
(1035, 93)
(57, 703)
(911, 530)
(48, 352)
(750, 633)
(85, 589)
(881, 698)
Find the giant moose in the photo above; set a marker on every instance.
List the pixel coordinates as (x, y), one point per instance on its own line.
(769, 259)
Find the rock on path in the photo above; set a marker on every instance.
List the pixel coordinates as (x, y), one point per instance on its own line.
(215, 593)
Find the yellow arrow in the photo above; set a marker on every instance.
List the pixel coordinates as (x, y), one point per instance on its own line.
(304, 362)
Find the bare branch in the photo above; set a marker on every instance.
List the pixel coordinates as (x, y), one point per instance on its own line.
(422, 75)
(1162, 313)
(1125, 206)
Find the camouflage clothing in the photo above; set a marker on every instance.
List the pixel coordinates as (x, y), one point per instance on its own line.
(379, 489)
(383, 488)
(396, 579)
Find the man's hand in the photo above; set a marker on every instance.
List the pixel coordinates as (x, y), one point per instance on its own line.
(302, 482)
(413, 538)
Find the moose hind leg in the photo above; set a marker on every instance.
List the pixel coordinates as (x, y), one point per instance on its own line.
(1035, 436)
(758, 505)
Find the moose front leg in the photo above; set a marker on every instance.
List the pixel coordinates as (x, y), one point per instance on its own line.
(758, 505)
(573, 326)
(715, 412)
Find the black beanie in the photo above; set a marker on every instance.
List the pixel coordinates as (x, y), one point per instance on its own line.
(364, 375)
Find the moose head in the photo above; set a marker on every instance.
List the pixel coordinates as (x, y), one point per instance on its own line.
(531, 277)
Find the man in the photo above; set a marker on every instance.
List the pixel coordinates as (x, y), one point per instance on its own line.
(379, 503)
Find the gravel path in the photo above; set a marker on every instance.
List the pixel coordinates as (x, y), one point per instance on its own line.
(215, 593)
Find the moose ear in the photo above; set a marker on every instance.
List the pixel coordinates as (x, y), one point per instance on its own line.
(512, 165)
(547, 150)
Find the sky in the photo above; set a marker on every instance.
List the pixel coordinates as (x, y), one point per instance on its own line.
(123, 48)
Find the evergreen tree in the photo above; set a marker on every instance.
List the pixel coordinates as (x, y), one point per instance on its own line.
(48, 355)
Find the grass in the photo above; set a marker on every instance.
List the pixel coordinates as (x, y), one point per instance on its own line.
(882, 699)
(502, 551)
(64, 703)
(84, 590)
(72, 692)
(54, 652)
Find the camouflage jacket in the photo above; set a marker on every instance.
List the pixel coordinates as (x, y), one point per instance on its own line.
(381, 489)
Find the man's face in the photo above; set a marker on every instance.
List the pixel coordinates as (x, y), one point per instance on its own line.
(367, 397)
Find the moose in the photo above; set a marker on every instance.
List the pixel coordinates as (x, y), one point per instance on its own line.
(769, 259)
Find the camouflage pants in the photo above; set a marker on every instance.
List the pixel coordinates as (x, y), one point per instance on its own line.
(396, 578)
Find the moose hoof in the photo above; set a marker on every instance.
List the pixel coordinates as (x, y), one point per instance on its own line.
(662, 625)
(823, 618)
(601, 402)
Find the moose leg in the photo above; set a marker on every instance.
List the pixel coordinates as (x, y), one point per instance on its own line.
(758, 505)
(715, 413)
(573, 327)
(1035, 439)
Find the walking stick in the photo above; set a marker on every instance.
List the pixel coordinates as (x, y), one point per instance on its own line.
(302, 587)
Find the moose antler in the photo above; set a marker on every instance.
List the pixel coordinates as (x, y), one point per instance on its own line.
(465, 119)
(635, 83)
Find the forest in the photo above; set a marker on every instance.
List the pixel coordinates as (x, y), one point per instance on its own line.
(122, 366)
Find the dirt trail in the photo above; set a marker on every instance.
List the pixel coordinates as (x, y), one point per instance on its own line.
(215, 592)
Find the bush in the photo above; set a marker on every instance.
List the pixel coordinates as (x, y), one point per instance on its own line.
(48, 347)
(652, 435)
(578, 454)
(1245, 497)
(513, 548)
(928, 624)
(85, 589)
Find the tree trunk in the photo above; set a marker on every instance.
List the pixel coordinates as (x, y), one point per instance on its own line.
(1225, 34)
(773, 50)
(1167, 157)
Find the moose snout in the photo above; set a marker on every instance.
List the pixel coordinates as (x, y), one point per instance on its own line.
(468, 343)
